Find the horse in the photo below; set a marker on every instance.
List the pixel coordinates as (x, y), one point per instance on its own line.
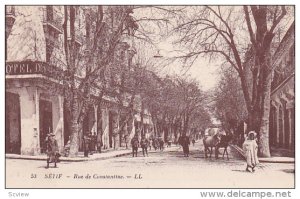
(211, 141)
(224, 143)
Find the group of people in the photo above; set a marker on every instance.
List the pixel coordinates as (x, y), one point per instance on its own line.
(144, 143)
(91, 142)
(135, 143)
(157, 143)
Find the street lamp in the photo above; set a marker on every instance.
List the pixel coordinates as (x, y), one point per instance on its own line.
(158, 55)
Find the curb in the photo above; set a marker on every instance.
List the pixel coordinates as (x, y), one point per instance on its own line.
(77, 159)
(63, 159)
(240, 151)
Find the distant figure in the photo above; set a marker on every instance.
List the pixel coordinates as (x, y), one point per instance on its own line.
(67, 148)
(184, 141)
(169, 143)
(86, 145)
(99, 142)
(161, 144)
(92, 145)
(126, 141)
(135, 145)
(150, 143)
(250, 149)
(193, 141)
(155, 143)
(144, 145)
(52, 150)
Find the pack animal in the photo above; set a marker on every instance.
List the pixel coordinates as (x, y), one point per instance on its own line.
(209, 143)
(224, 143)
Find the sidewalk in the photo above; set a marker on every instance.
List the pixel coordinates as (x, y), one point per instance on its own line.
(106, 154)
(269, 160)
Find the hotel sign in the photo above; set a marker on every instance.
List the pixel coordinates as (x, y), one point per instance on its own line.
(31, 67)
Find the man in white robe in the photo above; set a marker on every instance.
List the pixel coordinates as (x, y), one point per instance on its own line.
(250, 149)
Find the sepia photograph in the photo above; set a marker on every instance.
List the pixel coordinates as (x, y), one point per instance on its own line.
(149, 96)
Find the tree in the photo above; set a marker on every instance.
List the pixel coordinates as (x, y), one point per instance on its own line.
(228, 102)
(100, 64)
(191, 100)
(101, 43)
(243, 38)
(107, 36)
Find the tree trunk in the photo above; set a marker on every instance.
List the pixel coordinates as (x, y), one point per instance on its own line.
(74, 128)
(186, 124)
(74, 144)
(263, 144)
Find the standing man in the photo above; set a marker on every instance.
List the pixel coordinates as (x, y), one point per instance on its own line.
(144, 145)
(161, 143)
(92, 143)
(185, 142)
(99, 142)
(86, 145)
(52, 150)
(250, 149)
(150, 143)
(135, 145)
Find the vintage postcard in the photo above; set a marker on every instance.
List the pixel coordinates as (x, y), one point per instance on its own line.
(150, 96)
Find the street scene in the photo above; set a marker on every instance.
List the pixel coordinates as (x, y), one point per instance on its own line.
(147, 96)
(161, 169)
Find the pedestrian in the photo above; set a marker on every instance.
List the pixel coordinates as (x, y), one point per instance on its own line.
(169, 142)
(184, 141)
(86, 145)
(52, 150)
(92, 143)
(155, 143)
(67, 147)
(250, 149)
(99, 142)
(135, 145)
(161, 143)
(150, 143)
(144, 145)
(193, 141)
(126, 141)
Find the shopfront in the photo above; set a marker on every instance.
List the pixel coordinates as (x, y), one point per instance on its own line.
(33, 108)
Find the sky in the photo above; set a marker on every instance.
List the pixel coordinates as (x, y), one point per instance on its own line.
(202, 70)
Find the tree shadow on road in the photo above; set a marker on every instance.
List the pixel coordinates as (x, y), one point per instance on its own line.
(288, 170)
(240, 170)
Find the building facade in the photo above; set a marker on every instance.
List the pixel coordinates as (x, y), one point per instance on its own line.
(282, 114)
(35, 99)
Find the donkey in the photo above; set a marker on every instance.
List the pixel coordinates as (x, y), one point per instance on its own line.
(211, 141)
(224, 143)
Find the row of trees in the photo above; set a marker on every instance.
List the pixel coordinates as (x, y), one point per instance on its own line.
(228, 103)
(104, 65)
(177, 106)
(243, 37)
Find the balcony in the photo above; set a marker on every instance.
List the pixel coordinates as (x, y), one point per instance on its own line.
(52, 21)
(79, 38)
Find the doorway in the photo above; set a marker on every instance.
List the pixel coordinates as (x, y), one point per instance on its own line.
(45, 122)
(12, 123)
